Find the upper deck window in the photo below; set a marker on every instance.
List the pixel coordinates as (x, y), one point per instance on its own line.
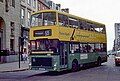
(100, 29)
(49, 19)
(73, 22)
(63, 20)
(43, 19)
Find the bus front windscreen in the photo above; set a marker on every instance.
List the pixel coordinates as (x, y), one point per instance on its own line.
(45, 45)
(43, 19)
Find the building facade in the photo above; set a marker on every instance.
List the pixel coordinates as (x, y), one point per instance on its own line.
(54, 6)
(43, 5)
(48, 4)
(26, 8)
(117, 37)
(9, 27)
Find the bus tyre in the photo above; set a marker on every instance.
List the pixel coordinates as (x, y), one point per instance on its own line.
(75, 66)
(116, 64)
(99, 62)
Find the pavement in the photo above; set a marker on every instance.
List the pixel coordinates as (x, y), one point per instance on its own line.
(12, 70)
(14, 66)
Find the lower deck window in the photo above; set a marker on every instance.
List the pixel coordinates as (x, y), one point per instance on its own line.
(87, 47)
(45, 45)
(74, 48)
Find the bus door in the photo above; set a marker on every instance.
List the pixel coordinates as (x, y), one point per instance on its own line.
(63, 54)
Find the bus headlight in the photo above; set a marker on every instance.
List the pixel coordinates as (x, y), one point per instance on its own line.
(55, 64)
(29, 64)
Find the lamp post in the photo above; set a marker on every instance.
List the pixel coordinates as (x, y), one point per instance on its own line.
(21, 42)
(19, 49)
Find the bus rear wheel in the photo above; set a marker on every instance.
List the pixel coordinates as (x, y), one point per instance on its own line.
(75, 66)
(99, 62)
(116, 64)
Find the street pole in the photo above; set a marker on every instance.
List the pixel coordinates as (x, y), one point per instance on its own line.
(19, 49)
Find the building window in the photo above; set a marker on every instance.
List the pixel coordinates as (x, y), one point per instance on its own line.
(22, 16)
(11, 44)
(22, 13)
(6, 6)
(118, 27)
(118, 24)
(28, 16)
(29, 2)
(13, 3)
(1, 0)
(12, 24)
(34, 3)
(39, 6)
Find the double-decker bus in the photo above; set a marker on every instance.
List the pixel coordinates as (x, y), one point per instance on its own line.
(61, 41)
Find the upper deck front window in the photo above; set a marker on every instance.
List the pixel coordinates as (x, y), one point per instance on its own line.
(43, 19)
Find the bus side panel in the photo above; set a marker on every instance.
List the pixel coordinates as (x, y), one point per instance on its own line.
(87, 58)
(84, 58)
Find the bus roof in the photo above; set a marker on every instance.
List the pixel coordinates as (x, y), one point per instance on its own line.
(77, 17)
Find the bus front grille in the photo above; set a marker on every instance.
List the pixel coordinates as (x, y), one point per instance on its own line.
(41, 62)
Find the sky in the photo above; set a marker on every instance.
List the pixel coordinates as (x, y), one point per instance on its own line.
(103, 11)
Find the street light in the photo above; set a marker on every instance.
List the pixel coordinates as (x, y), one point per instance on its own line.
(19, 50)
(21, 43)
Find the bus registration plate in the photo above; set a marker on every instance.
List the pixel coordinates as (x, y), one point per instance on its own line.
(42, 69)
